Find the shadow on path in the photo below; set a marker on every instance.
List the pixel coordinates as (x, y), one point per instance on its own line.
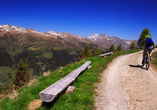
(136, 66)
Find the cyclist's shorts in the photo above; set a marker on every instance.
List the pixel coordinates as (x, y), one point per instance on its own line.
(147, 49)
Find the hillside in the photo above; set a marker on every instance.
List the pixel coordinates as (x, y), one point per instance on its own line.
(81, 98)
(17, 37)
(20, 37)
(43, 51)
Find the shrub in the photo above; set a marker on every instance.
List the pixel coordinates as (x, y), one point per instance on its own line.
(22, 74)
(68, 65)
(85, 52)
(95, 51)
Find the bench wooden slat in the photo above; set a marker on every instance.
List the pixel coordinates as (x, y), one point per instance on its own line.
(102, 55)
(53, 90)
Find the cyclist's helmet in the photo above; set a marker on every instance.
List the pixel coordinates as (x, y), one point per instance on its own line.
(147, 36)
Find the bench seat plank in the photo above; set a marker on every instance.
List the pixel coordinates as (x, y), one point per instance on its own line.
(102, 55)
(53, 90)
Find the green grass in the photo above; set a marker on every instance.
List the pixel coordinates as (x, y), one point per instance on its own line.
(47, 55)
(154, 59)
(6, 76)
(80, 99)
(43, 48)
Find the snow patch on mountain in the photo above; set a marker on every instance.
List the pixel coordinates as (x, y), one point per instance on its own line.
(12, 29)
(55, 33)
(129, 41)
(78, 36)
(98, 39)
(109, 40)
(93, 37)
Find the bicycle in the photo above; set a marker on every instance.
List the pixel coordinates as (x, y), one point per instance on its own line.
(146, 61)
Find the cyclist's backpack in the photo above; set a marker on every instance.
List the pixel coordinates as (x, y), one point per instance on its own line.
(149, 41)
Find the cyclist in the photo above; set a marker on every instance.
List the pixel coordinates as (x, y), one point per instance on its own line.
(149, 45)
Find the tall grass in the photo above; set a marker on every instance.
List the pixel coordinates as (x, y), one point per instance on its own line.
(80, 99)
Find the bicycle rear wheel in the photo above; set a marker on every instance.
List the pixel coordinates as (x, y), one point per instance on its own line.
(147, 63)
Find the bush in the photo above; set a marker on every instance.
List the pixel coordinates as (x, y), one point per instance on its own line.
(68, 65)
(85, 52)
(2, 91)
(22, 74)
(95, 51)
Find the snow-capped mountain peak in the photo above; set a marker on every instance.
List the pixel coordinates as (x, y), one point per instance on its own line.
(10, 28)
(54, 33)
(93, 36)
(32, 31)
(109, 40)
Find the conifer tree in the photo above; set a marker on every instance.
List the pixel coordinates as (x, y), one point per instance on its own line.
(85, 52)
(98, 51)
(95, 51)
(112, 48)
(141, 42)
(22, 74)
(120, 48)
(132, 46)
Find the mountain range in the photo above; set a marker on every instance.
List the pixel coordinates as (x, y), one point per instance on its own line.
(45, 51)
(18, 36)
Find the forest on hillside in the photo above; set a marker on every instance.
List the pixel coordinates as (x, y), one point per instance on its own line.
(39, 61)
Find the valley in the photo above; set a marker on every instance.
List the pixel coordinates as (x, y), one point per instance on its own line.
(44, 51)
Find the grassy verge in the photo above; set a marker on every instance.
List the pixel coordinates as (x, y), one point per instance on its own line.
(154, 60)
(80, 99)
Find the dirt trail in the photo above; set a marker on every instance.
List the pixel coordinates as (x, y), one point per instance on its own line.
(126, 86)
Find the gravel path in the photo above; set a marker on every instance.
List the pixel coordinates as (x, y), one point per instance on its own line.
(126, 86)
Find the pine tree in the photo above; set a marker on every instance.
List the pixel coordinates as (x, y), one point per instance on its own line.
(85, 52)
(98, 52)
(112, 48)
(120, 48)
(22, 74)
(141, 40)
(95, 51)
(132, 46)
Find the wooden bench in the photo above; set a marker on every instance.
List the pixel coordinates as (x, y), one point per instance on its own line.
(53, 90)
(106, 54)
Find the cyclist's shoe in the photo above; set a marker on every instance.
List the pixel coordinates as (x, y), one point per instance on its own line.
(150, 58)
(142, 62)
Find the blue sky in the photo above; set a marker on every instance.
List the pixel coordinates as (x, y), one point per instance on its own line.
(125, 19)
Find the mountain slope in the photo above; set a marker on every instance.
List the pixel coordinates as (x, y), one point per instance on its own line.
(44, 51)
(32, 39)
(103, 39)
(28, 38)
(17, 37)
